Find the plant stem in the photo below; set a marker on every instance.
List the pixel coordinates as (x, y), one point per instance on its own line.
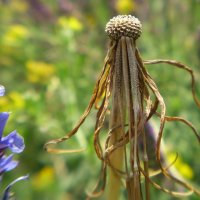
(116, 160)
(117, 127)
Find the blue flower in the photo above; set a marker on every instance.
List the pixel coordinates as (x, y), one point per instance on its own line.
(7, 164)
(13, 141)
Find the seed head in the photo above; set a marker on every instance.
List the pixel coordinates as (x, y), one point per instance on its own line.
(124, 25)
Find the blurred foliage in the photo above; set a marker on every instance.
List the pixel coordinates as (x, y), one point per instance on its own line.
(51, 53)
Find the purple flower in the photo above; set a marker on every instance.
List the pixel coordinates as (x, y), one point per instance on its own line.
(7, 164)
(13, 141)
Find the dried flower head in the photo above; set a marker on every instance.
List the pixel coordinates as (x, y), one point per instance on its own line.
(124, 25)
(128, 92)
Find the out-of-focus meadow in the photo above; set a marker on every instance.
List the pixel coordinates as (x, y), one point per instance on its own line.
(51, 53)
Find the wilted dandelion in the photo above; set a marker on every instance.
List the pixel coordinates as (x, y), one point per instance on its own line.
(129, 96)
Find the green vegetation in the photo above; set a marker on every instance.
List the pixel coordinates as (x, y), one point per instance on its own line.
(51, 53)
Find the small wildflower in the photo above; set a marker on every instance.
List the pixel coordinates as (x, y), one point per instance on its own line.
(7, 164)
(4, 104)
(125, 6)
(70, 23)
(13, 100)
(39, 72)
(15, 34)
(16, 99)
(15, 143)
(181, 167)
(44, 178)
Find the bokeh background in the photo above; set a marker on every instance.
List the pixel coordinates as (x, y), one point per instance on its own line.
(51, 53)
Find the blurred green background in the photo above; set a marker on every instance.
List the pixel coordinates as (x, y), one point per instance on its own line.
(51, 53)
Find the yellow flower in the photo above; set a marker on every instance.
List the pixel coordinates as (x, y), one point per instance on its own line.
(184, 169)
(125, 6)
(4, 104)
(14, 34)
(39, 72)
(71, 23)
(17, 99)
(44, 178)
(14, 100)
